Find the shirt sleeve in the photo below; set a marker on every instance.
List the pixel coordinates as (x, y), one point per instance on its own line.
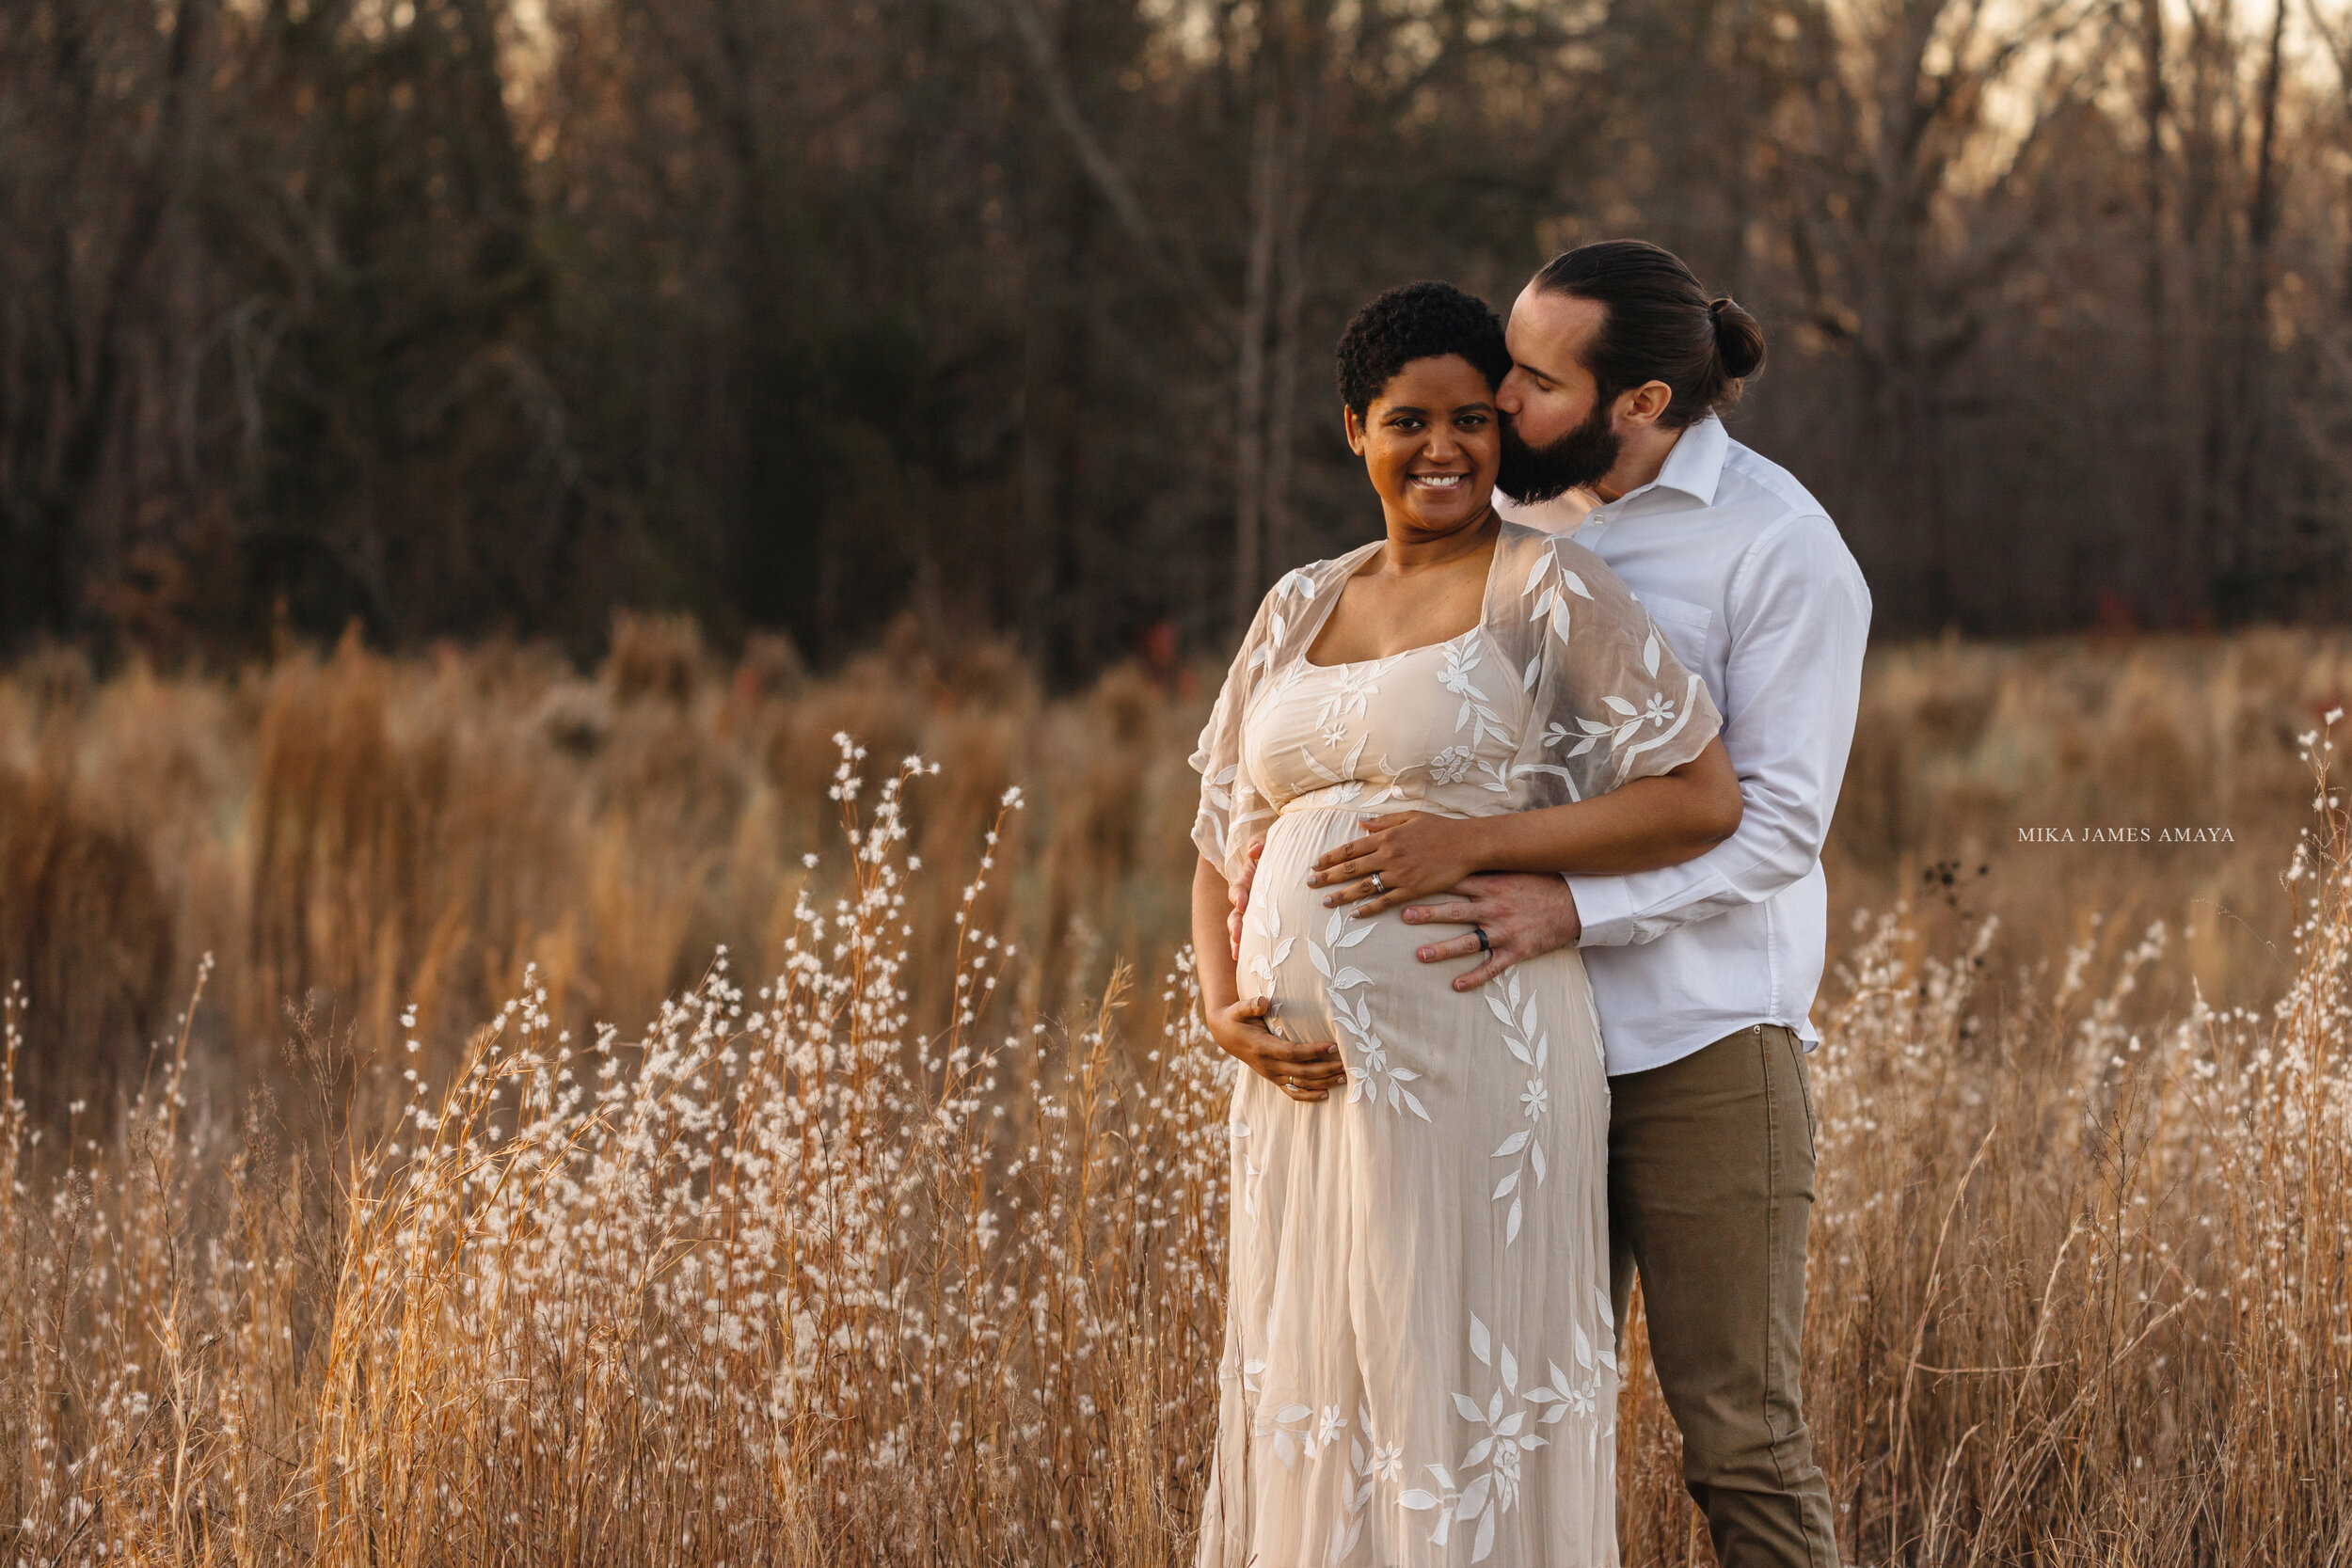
(1797, 615)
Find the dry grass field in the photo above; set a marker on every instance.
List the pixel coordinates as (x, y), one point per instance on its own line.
(620, 1126)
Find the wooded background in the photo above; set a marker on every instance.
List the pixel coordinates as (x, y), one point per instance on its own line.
(465, 317)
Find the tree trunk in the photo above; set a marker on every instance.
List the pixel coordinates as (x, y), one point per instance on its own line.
(2250, 413)
(1249, 400)
(1282, 532)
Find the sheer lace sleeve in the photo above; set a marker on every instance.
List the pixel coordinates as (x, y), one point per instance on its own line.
(1232, 814)
(1609, 701)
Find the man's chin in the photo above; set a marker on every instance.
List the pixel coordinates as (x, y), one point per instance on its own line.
(1533, 475)
(1533, 488)
(1529, 493)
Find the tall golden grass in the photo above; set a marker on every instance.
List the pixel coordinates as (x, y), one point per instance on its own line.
(623, 1125)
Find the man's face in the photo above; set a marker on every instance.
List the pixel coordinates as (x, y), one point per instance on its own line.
(1558, 431)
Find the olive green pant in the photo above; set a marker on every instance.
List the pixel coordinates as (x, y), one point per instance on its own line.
(1710, 1185)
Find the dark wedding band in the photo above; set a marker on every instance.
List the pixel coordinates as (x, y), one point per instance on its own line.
(1484, 946)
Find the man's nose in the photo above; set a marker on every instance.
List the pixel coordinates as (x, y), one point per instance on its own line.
(1507, 395)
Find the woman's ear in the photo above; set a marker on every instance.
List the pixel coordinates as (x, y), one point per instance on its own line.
(1354, 429)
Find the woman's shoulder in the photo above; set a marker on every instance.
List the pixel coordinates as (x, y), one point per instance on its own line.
(1541, 561)
(1304, 583)
(1340, 567)
(1519, 538)
(1288, 603)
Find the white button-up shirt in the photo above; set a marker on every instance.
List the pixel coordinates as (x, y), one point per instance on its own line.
(1748, 579)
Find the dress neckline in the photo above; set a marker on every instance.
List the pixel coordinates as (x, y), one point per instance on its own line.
(1355, 561)
(1401, 653)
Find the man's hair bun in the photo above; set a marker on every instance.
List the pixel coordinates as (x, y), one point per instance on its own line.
(1739, 341)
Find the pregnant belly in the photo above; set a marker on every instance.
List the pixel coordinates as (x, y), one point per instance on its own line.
(1298, 952)
(1298, 838)
(1413, 1045)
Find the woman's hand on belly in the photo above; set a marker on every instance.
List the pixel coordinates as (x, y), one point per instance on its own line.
(1305, 1072)
(1240, 896)
(1415, 853)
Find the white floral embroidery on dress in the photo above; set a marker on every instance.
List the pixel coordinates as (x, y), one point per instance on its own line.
(1298, 1432)
(1342, 933)
(1450, 766)
(1253, 1372)
(1374, 1074)
(1509, 1434)
(1588, 1402)
(1365, 1467)
(1594, 729)
(1524, 1037)
(1266, 918)
(1662, 716)
(1382, 1461)
(1250, 1174)
(1659, 711)
(1461, 658)
(1280, 687)
(1385, 794)
(1552, 605)
(1356, 685)
(1217, 791)
(1345, 784)
(1296, 584)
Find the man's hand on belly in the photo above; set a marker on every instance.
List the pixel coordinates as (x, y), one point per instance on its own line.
(1524, 916)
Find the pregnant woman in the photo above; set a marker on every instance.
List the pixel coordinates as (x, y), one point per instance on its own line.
(1418, 1362)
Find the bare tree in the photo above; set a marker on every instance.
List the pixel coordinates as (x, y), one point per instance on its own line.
(1012, 310)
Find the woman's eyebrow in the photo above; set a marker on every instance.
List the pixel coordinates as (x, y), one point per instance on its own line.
(1473, 408)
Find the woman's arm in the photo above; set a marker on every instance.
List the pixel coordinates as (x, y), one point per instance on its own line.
(1663, 821)
(1305, 1072)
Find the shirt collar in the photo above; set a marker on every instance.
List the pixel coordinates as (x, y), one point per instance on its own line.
(1695, 467)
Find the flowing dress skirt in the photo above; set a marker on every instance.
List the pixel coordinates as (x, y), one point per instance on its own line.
(1419, 1360)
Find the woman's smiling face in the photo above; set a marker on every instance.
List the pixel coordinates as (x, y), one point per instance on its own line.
(1432, 444)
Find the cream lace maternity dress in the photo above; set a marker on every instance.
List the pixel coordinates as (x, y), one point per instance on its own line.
(1419, 1360)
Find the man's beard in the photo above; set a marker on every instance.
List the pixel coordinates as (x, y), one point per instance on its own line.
(1533, 474)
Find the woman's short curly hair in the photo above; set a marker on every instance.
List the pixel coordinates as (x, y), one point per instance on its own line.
(1417, 321)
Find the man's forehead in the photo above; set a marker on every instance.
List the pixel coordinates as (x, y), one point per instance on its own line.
(1553, 321)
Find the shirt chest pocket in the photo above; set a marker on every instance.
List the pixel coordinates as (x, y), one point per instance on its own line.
(1687, 626)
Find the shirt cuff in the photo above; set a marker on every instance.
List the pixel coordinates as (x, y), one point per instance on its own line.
(1606, 909)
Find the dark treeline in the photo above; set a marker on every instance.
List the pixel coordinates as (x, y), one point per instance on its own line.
(462, 316)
